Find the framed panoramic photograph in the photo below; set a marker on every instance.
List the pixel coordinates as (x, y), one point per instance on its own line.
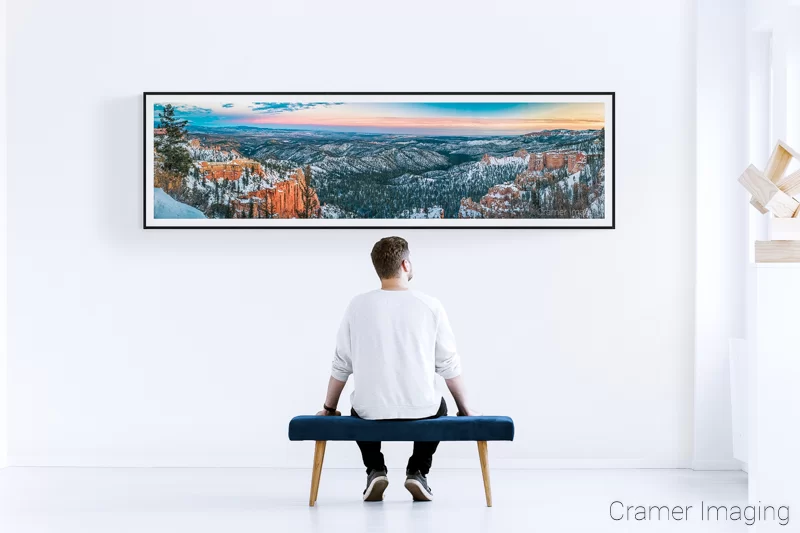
(379, 160)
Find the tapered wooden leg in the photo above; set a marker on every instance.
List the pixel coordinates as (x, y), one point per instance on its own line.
(483, 453)
(319, 456)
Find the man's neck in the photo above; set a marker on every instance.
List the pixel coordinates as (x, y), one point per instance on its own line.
(394, 284)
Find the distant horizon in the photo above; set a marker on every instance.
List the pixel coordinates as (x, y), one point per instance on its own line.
(400, 134)
(451, 119)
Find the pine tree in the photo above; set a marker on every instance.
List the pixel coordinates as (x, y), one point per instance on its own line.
(175, 159)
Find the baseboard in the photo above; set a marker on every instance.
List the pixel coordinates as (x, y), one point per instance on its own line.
(729, 464)
(561, 464)
(264, 462)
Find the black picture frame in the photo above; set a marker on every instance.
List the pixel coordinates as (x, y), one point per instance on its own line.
(334, 226)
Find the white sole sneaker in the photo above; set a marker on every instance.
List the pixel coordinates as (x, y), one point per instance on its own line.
(418, 491)
(375, 490)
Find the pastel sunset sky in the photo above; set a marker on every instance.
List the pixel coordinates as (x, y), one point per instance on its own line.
(440, 118)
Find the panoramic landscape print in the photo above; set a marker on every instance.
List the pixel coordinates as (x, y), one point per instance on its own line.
(378, 160)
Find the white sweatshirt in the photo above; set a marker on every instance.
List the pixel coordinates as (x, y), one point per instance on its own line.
(394, 342)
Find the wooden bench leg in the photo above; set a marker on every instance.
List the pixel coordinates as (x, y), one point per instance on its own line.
(483, 453)
(316, 471)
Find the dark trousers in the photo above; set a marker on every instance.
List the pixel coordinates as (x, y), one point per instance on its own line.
(421, 458)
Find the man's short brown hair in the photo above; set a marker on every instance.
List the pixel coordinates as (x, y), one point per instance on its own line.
(387, 255)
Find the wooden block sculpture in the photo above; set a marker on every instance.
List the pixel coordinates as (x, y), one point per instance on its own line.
(772, 191)
(322, 429)
(767, 195)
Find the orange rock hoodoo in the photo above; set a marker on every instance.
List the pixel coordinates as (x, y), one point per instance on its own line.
(536, 162)
(499, 202)
(573, 160)
(230, 170)
(284, 200)
(499, 196)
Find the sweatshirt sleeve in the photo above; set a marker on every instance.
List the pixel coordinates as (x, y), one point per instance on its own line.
(342, 365)
(448, 362)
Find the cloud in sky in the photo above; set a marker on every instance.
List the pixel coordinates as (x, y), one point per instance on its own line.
(271, 108)
(227, 106)
(192, 109)
(186, 109)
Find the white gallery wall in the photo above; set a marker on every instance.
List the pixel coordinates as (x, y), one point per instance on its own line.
(132, 347)
(722, 208)
(3, 256)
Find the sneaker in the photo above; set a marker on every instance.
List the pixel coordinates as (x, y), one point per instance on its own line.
(417, 485)
(377, 481)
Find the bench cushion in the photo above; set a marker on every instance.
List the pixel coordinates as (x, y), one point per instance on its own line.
(446, 428)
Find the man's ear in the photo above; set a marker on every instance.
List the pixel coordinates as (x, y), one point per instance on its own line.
(405, 264)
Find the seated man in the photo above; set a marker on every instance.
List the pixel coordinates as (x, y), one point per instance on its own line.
(394, 340)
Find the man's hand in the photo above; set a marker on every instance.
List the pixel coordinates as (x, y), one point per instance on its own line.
(457, 389)
(335, 388)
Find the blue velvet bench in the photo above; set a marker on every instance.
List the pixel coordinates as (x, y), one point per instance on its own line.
(447, 428)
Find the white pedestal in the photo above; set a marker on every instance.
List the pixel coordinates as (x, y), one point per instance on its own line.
(774, 385)
(784, 229)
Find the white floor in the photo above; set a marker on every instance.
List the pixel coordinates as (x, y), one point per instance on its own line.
(176, 500)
